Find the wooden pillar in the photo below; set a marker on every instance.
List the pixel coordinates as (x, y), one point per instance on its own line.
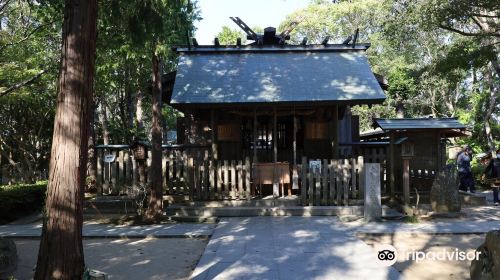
(275, 153)
(255, 138)
(336, 136)
(406, 181)
(213, 125)
(391, 166)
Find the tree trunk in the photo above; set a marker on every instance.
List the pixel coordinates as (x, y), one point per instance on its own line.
(103, 118)
(61, 249)
(155, 207)
(489, 112)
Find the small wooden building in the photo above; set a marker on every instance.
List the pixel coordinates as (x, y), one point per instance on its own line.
(420, 140)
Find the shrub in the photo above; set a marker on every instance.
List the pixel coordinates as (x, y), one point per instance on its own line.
(19, 200)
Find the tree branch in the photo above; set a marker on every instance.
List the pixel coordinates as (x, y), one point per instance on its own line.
(23, 83)
(27, 36)
(470, 34)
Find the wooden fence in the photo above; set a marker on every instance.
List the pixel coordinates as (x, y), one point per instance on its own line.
(195, 174)
(336, 182)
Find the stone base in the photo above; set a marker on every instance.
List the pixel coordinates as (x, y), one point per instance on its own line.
(488, 265)
(8, 258)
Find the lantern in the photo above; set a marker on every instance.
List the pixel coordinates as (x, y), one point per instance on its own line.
(407, 149)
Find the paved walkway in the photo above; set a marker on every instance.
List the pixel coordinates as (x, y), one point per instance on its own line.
(288, 248)
(107, 230)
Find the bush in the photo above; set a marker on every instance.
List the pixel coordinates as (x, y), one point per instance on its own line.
(19, 200)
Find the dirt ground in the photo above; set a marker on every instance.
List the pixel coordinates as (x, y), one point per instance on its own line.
(140, 258)
(428, 269)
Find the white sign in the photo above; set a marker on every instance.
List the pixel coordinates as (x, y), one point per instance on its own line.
(109, 158)
(315, 166)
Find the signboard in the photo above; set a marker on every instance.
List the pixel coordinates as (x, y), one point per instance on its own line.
(315, 166)
(109, 158)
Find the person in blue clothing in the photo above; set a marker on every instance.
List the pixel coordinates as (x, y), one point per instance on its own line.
(465, 171)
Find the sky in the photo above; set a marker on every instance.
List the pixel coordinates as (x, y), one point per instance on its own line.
(263, 13)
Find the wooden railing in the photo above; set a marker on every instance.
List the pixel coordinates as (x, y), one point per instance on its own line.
(195, 174)
(335, 183)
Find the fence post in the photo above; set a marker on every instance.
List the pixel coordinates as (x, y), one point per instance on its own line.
(303, 181)
(247, 177)
(346, 177)
(333, 175)
(361, 174)
(98, 152)
(324, 166)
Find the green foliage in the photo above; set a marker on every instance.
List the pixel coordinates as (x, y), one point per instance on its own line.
(18, 200)
(228, 36)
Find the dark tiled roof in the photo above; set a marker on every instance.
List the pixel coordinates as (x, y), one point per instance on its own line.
(419, 123)
(252, 75)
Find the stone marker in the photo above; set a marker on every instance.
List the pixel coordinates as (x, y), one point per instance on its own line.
(373, 202)
(444, 192)
(8, 258)
(487, 267)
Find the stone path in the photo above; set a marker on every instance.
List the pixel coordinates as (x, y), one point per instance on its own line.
(107, 230)
(288, 248)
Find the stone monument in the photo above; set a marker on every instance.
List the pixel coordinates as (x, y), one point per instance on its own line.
(373, 201)
(444, 192)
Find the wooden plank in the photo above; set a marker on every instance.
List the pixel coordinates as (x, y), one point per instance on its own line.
(135, 177)
(178, 163)
(361, 174)
(239, 173)
(346, 176)
(339, 180)
(310, 191)
(126, 175)
(113, 174)
(219, 194)
(171, 166)
(212, 179)
(303, 181)
(317, 196)
(324, 183)
(332, 175)
(198, 179)
(233, 191)
(120, 180)
(105, 180)
(226, 179)
(247, 178)
(206, 179)
(98, 152)
(354, 187)
(190, 177)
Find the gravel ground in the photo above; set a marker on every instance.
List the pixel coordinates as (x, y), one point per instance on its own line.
(138, 258)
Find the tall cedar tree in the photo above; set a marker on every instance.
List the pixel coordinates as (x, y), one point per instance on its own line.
(155, 206)
(61, 249)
